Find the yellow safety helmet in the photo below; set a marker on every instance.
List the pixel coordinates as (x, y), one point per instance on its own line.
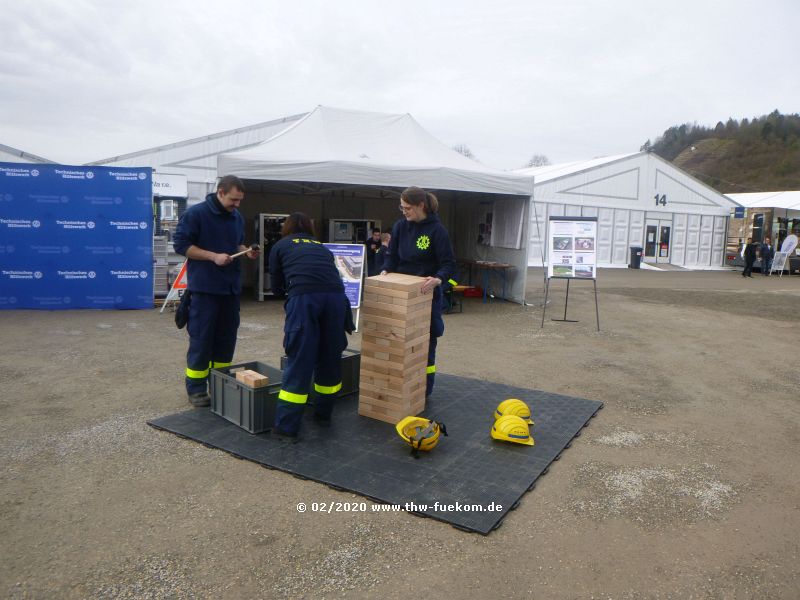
(419, 433)
(511, 428)
(516, 407)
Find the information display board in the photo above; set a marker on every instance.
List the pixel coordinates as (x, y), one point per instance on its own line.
(572, 247)
(75, 237)
(350, 262)
(779, 262)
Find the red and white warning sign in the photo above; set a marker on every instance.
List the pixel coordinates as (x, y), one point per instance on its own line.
(180, 284)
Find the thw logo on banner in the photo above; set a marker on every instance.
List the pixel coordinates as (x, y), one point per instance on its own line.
(177, 288)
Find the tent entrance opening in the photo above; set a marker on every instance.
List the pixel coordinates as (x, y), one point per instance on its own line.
(657, 241)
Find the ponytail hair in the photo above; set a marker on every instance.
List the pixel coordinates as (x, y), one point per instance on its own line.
(297, 223)
(416, 196)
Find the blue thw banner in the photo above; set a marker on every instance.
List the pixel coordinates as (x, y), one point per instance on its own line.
(75, 237)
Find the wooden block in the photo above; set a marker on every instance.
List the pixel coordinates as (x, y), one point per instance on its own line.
(399, 348)
(396, 311)
(395, 281)
(396, 394)
(396, 320)
(388, 415)
(383, 367)
(252, 378)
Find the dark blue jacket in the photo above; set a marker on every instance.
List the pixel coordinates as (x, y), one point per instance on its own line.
(210, 227)
(767, 252)
(380, 258)
(299, 264)
(422, 249)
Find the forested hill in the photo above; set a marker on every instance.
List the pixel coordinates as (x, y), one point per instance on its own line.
(758, 155)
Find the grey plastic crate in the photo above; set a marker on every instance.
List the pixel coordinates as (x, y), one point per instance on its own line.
(351, 367)
(252, 409)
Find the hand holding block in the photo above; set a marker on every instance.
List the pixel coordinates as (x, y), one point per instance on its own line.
(252, 378)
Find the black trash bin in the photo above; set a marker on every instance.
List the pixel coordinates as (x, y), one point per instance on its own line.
(636, 257)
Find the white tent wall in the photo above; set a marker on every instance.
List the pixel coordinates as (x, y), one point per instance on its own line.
(460, 213)
(197, 158)
(9, 154)
(622, 193)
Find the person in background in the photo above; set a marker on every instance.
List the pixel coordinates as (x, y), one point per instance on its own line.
(380, 255)
(767, 252)
(317, 317)
(373, 245)
(420, 245)
(749, 258)
(207, 235)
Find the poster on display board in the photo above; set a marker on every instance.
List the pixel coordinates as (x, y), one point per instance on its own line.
(75, 237)
(350, 262)
(572, 247)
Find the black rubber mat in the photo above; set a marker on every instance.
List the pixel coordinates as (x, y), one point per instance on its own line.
(466, 469)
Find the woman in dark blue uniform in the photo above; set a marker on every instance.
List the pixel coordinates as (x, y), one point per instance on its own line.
(421, 246)
(317, 316)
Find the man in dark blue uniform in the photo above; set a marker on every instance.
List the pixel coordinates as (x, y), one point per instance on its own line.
(421, 246)
(207, 235)
(373, 246)
(317, 316)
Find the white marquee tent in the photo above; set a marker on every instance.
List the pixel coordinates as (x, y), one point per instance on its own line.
(9, 154)
(364, 158)
(639, 199)
(789, 200)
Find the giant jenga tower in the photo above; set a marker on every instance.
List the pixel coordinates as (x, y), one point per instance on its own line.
(396, 320)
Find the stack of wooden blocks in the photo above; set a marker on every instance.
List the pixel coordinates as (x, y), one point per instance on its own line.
(396, 320)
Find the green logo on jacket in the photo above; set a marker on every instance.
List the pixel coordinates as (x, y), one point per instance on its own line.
(423, 242)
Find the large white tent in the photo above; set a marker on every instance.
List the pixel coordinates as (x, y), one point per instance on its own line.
(639, 199)
(196, 159)
(367, 148)
(357, 162)
(10, 154)
(789, 200)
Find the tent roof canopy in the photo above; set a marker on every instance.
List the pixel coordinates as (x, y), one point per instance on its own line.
(11, 154)
(789, 200)
(367, 148)
(550, 172)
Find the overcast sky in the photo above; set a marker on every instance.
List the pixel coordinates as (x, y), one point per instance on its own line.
(84, 80)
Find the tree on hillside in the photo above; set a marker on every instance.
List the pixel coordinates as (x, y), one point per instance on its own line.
(537, 160)
(754, 154)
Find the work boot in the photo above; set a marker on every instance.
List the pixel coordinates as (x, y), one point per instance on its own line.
(321, 420)
(284, 436)
(200, 400)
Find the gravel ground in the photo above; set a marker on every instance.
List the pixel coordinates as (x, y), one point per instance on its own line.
(685, 486)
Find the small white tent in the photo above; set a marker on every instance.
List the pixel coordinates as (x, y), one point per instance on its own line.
(373, 156)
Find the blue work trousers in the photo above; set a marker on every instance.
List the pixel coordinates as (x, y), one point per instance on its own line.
(314, 339)
(213, 323)
(437, 331)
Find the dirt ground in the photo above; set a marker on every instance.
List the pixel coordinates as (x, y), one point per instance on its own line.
(684, 486)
